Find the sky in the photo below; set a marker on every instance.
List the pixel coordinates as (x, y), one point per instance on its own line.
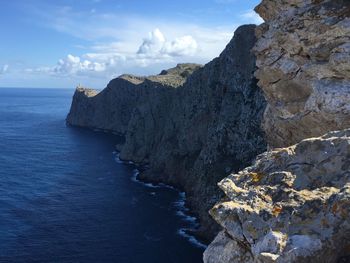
(63, 43)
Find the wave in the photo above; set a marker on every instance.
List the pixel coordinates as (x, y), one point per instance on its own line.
(183, 232)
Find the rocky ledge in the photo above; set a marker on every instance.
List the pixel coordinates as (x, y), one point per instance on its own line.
(291, 205)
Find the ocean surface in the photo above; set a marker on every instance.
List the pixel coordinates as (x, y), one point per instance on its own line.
(66, 197)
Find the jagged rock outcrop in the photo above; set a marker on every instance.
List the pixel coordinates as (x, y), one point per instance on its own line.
(303, 56)
(291, 205)
(193, 135)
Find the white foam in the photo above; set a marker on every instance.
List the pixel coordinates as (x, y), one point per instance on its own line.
(182, 232)
(187, 218)
(150, 185)
(117, 158)
(180, 205)
(167, 186)
(136, 172)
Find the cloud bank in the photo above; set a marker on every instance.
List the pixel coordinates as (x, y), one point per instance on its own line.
(107, 60)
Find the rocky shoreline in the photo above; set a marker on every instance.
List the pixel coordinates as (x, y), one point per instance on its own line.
(283, 86)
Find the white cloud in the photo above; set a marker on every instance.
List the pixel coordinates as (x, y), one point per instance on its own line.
(252, 17)
(182, 46)
(72, 65)
(4, 69)
(108, 59)
(119, 48)
(75, 65)
(157, 46)
(127, 29)
(153, 44)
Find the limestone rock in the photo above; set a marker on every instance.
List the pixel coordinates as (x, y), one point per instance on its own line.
(291, 205)
(303, 59)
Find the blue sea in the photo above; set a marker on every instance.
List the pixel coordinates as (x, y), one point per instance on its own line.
(66, 197)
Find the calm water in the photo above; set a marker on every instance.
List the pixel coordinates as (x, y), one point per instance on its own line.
(65, 198)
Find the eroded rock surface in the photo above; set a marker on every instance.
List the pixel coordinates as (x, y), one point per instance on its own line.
(191, 132)
(303, 56)
(291, 205)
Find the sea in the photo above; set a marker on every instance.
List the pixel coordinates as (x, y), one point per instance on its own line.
(65, 196)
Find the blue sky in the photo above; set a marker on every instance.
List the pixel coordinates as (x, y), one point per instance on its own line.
(62, 43)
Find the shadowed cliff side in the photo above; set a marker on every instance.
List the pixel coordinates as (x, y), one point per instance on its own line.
(191, 132)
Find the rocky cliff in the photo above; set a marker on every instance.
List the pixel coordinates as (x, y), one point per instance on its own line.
(192, 130)
(112, 108)
(292, 204)
(195, 125)
(303, 56)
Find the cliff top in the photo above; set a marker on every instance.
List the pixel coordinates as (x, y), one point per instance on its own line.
(87, 92)
(171, 77)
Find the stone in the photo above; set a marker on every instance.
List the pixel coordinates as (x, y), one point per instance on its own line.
(297, 210)
(304, 68)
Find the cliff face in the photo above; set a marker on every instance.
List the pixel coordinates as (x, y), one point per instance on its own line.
(211, 127)
(292, 204)
(303, 56)
(191, 133)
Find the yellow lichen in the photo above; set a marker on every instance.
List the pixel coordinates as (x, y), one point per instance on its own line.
(276, 210)
(256, 177)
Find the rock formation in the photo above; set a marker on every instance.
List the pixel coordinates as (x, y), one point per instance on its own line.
(112, 108)
(195, 125)
(291, 205)
(193, 130)
(303, 56)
